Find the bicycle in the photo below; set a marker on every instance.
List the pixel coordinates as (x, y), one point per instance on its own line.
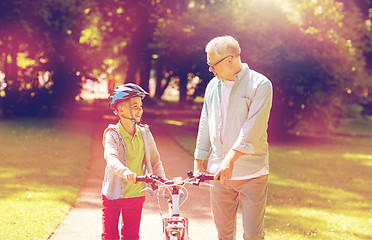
(175, 227)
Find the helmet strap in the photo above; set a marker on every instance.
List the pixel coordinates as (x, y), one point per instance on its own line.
(131, 118)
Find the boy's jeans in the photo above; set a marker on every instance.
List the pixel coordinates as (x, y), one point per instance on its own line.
(130, 209)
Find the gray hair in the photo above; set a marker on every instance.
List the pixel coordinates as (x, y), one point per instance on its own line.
(222, 46)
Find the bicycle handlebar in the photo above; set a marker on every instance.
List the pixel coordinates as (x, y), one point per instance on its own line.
(173, 187)
(149, 178)
(201, 177)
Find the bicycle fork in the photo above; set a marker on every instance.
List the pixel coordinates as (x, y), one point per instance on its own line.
(175, 227)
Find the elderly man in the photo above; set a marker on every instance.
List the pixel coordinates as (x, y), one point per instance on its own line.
(232, 138)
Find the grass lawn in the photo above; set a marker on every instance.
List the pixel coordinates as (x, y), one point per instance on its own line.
(318, 189)
(43, 165)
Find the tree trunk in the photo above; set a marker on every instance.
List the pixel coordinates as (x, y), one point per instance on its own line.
(183, 89)
(11, 99)
(132, 69)
(145, 69)
(159, 78)
(13, 73)
(6, 64)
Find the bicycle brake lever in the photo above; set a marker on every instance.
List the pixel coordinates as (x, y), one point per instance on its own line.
(197, 183)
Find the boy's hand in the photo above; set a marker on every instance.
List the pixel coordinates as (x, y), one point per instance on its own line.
(130, 177)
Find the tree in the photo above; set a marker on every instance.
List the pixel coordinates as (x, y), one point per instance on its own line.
(11, 29)
(181, 38)
(313, 51)
(47, 31)
(321, 61)
(127, 28)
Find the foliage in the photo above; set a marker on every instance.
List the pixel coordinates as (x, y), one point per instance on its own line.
(314, 52)
(49, 34)
(314, 60)
(127, 29)
(180, 40)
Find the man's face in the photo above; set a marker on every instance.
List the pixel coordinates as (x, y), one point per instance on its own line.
(132, 106)
(218, 65)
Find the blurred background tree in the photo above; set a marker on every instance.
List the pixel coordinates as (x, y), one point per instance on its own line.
(42, 58)
(317, 53)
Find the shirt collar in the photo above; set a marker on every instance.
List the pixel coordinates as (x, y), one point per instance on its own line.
(242, 73)
(124, 132)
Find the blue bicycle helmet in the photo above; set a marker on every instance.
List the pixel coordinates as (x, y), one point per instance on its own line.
(124, 92)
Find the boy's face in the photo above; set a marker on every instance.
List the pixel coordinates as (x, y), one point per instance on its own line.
(134, 104)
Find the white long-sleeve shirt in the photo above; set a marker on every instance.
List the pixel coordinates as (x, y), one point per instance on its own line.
(245, 124)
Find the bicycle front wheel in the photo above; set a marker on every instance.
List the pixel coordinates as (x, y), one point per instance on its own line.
(175, 235)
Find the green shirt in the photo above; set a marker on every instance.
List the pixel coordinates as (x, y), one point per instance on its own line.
(134, 155)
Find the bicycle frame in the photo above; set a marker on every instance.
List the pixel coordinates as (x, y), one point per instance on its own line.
(175, 227)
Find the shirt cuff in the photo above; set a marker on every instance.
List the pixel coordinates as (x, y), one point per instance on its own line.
(201, 154)
(246, 148)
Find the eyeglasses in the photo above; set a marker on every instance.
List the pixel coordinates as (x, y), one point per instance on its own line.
(213, 65)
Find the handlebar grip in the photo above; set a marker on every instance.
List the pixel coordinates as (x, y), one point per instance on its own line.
(208, 177)
(141, 178)
(149, 178)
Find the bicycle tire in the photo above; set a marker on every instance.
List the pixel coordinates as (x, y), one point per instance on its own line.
(175, 237)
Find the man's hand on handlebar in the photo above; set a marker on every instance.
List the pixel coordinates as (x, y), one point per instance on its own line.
(199, 168)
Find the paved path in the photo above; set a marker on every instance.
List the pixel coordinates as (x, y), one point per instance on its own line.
(83, 222)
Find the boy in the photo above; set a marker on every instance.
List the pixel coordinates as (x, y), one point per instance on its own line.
(129, 151)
